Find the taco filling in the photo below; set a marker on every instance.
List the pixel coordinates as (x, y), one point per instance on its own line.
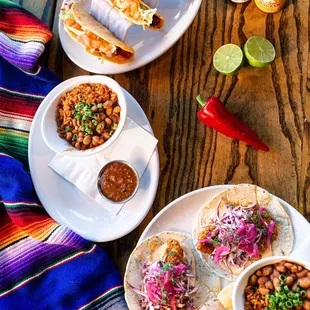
(138, 12)
(168, 282)
(237, 236)
(90, 41)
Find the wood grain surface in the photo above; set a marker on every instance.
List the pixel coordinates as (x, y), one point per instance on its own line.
(273, 101)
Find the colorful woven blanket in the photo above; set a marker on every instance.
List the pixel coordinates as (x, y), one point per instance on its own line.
(42, 265)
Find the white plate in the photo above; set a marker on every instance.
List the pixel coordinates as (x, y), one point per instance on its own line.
(69, 206)
(148, 44)
(180, 215)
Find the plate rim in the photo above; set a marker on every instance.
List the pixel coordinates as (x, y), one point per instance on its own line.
(138, 65)
(156, 172)
(223, 187)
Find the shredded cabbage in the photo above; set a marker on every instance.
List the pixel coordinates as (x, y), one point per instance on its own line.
(166, 286)
(147, 15)
(237, 234)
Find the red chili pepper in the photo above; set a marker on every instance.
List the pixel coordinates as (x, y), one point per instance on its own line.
(215, 115)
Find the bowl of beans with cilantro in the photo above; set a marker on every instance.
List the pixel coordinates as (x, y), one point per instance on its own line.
(86, 117)
(277, 282)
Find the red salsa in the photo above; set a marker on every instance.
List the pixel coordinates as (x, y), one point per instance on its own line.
(118, 181)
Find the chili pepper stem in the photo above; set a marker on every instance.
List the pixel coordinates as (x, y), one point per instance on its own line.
(201, 101)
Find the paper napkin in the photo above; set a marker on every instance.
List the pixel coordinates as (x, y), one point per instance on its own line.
(134, 145)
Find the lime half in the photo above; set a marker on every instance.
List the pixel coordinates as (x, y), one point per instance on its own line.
(228, 59)
(259, 52)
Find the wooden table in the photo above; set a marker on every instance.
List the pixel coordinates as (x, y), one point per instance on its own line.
(274, 101)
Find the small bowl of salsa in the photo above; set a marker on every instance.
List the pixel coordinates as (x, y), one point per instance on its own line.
(118, 181)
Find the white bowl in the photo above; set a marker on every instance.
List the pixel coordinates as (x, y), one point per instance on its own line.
(49, 125)
(241, 283)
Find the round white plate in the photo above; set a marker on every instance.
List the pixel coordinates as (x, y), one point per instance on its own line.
(67, 205)
(148, 44)
(180, 215)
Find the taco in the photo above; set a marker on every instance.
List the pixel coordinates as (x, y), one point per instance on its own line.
(163, 273)
(95, 38)
(138, 13)
(239, 226)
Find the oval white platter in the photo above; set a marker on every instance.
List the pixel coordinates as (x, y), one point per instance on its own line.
(148, 45)
(67, 205)
(180, 215)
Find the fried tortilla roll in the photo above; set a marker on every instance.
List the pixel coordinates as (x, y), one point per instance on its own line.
(95, 38)
(139, 13)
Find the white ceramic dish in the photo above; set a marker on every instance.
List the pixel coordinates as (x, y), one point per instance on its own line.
(69, 206)
(148, 44)
(241, 283)
(180, 215)
(49, 126)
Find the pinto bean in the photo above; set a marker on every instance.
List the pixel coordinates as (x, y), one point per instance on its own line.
(100, 127)
(299, 268)
(267, 271)
(281, 268)
(292, 267)
(276, 273)
(262, 280)
(308, 293)
(115, 118)
(295, 285)
(304, 282)
(253, 279)
(259, 273)
(87, 140)
(269, 285)
(289, 281)
(302, 274)
(77, 145)
(108, 104)
(69, 136)
(106, 136)
(306, 305)
(264, 291)
(276, 283)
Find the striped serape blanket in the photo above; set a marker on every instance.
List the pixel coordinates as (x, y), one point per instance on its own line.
(43, 265)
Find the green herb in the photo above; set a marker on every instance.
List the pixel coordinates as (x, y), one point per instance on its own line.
(76, 127)
(75, 137)
(80, 106)
(111, 132)
(94, 122)
(115, 126)
(282, 278)
(165, 267)
(173, 280)
(99, 105)
(171, 253)
(89, 130)
(284, 299)
(68, 128)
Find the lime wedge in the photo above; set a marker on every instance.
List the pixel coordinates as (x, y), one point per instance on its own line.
(225, 296)
(259, 52)
(228, 59)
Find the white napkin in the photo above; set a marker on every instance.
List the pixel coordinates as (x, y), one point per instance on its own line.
(104, 13)
(134, 145)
